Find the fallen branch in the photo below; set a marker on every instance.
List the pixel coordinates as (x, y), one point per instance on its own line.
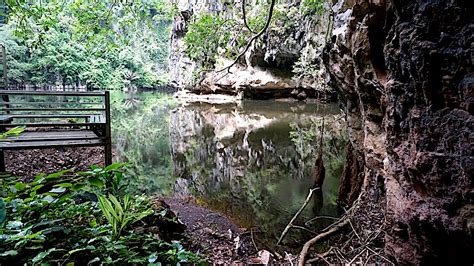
(290, 224)
(321, 256)
(253, 239)
(314, 240)
(320, 218)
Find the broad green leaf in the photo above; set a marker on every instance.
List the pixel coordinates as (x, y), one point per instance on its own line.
(9, 253)
(57, 174)
(42, 255)
(58, 190)
(152, 258)
(97, 182)
(20, 186)
(65, 185)
(77, 187)
(115, 166)
(48, 199)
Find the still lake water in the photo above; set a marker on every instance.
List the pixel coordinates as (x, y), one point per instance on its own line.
(252, 161)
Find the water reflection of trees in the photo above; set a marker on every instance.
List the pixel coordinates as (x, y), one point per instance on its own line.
(258, 177)
(141, 137)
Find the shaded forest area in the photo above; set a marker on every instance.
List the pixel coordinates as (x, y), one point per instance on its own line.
(90, 45)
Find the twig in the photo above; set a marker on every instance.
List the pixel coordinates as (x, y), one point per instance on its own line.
(321, 217)
(356, 256)
(380, 255)
(304, 229)
(321, 256)
(289, 258)
(340, 256)
(355, 232)
(290, 224)
(314, 240)
(253, 240)
(255, 37)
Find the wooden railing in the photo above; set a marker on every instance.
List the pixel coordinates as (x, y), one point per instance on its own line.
(3, 67)
(67, 119)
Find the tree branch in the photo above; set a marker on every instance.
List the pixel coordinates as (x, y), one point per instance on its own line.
(314, 240)
(255, 37)
(290, 224)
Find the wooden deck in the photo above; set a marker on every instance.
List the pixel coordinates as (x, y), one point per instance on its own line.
(56, 124)
(52, 139)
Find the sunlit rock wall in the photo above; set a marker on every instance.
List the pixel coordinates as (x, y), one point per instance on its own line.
(404, 72)
(290, 54)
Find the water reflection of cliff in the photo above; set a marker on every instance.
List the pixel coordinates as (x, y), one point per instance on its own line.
(255, 161)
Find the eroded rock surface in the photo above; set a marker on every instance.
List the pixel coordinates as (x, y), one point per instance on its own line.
(288, 56)
(404, 72)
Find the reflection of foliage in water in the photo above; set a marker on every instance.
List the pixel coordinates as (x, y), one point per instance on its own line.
(260, 178)
(141, 135)
(306, 140)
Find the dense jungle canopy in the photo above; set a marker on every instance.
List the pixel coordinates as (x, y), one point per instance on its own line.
(87, 43)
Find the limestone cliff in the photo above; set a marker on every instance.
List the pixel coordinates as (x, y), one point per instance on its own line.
(288, 56)
(404, 72)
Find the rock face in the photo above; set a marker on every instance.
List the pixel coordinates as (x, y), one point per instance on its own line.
(404, 71)
(288, 55)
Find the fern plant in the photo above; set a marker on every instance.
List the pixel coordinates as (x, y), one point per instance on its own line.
(120, 214)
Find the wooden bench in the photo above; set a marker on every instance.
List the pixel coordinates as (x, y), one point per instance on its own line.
(55, 119)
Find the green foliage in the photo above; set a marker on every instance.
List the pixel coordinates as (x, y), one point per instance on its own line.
(11, 133)
(109, 178)
(54, 219)
(3, 213)
(313, 7)
(142, 135)
(120, 214)
(206, 35)
(93, 22)
(76, 43)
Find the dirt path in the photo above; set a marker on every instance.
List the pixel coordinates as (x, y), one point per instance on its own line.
(212, 234)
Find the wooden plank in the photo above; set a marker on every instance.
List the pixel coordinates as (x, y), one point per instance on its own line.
(97, 119)
(51, 103)
(57, 93)
(52, 124)
(4, 68)
(52, 139)
(5, 118)
(49, 144)
(51, 115)
(55, 134)
(54, 109)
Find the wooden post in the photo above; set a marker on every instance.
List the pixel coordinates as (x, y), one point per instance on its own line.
(2, 161)
(108, 132)
(6, 99)
(4, 63)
